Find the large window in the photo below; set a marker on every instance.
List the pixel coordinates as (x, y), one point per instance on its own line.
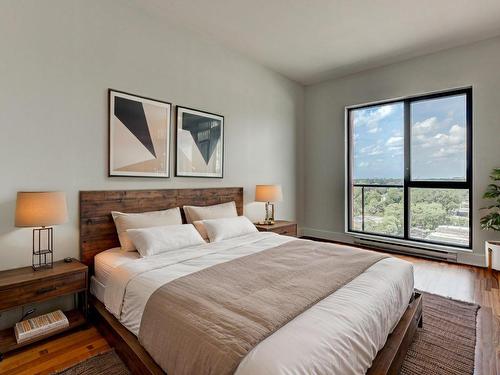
(410, 170)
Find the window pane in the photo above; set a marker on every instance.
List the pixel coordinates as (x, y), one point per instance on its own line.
(377, 144)
(357, 218)
(440, 215)
(438, 139)
(383, 212)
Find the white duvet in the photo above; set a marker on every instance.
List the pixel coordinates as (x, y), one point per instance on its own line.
(340, 335)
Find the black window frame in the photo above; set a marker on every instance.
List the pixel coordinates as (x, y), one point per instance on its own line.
(408, 183)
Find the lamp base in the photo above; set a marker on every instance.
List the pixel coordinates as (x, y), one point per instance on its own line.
(43, 251)
(269, 220)
(42, 267)
(266, 222)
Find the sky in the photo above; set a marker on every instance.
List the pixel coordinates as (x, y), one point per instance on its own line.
(437, 140)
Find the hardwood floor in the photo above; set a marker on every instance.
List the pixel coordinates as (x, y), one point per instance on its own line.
(461, 282)
(55, 354)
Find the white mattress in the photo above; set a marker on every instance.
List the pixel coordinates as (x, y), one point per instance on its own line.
(340, 335)
(106, 261)
(97, 288)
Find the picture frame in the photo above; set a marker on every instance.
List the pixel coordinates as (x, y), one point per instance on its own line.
(199, 143)
(139, 136)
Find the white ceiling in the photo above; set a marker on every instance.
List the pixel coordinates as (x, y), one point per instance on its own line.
(313, 40)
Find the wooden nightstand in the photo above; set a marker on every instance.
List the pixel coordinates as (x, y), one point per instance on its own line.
(287, 228)
(22, 286)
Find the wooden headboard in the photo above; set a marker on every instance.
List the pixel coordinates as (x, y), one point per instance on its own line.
(97, 229)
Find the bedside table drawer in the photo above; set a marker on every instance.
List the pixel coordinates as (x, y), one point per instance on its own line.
(41, 290)
(290, 230)
(283, 227)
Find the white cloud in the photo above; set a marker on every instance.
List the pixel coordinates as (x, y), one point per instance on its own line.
(445, 152)
(371, 118)
(394, 141)
(443, 144)
(374, 130)
(372, 150)
(363, 164)
(425, 126)
(385, 110)
(455, 136)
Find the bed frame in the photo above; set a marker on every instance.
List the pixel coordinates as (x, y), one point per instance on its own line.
(98, 233)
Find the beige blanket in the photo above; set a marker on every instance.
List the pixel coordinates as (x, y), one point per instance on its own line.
(206, 322)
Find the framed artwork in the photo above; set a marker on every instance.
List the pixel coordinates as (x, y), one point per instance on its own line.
(199, 144)
(139, 136)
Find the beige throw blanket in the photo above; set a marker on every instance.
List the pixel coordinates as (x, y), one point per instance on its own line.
(206, 322)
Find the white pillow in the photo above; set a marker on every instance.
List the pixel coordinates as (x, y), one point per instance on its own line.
(124, 221)
(222, 229)
(217, 211)
(156, 240)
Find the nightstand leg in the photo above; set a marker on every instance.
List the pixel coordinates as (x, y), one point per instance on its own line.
(1, 356)
(85, 305)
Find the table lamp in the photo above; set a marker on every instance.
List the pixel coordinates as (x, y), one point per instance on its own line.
(40, 210)
(268, 194)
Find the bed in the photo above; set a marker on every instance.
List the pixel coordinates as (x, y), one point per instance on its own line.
(343, 333)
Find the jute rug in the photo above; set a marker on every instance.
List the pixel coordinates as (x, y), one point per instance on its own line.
(446, 343)
(444, 346)
(106, 364)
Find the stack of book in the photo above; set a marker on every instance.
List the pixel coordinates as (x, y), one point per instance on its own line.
(41, 325)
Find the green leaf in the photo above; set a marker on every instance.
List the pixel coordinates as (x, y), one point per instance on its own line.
(492, 192)
(495, 175)
(490, 207)
(491, 221)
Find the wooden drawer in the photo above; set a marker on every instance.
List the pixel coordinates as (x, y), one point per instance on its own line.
(43, 289)
(290, 230)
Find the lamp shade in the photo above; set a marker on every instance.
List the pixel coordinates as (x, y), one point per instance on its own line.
(268, 193)
(40, 209)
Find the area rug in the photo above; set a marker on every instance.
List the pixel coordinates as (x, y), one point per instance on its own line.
(446, 343)
(444, 346)
(106, 363)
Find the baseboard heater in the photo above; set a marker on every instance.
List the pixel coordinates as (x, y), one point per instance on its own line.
(407, 250)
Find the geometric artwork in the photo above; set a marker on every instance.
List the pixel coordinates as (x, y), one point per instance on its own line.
(139, 135)
(199, 144)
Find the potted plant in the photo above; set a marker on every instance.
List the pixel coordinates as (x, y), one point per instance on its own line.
(491, 221)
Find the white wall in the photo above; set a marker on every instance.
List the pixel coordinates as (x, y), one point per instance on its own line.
(58, 60)
(476, 65)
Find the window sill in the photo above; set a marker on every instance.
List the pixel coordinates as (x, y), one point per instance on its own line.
(410, 244)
